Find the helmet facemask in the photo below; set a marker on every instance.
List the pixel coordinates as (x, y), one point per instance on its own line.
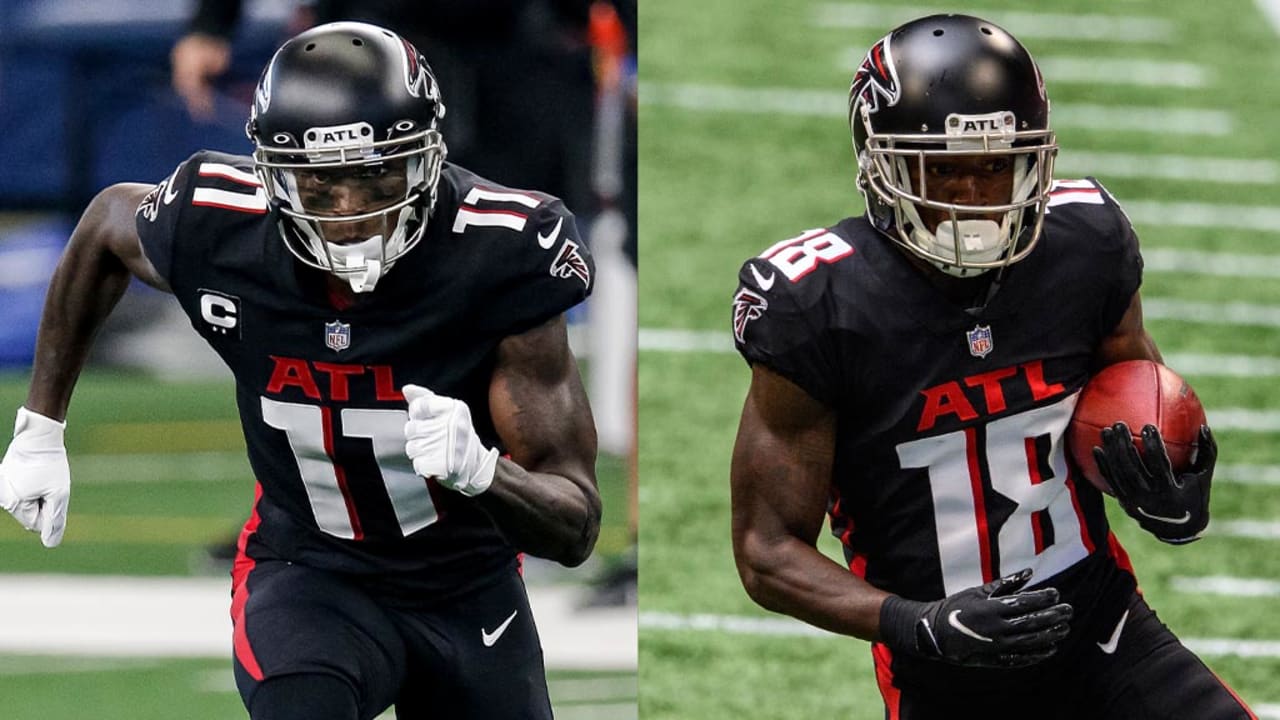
(350, 205)
(960, 239)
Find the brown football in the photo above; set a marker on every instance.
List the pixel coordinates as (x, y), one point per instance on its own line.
(1137, 392)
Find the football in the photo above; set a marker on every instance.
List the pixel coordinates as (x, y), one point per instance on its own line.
(1137, 392)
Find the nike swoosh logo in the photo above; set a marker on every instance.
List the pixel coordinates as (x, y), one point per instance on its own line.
(954, 620)
(1109, 646)
(761, 281)
(489, 638)
(1186, 517)
(546, 241)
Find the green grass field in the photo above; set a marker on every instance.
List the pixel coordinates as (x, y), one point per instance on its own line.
(744, 144)
(159, 476)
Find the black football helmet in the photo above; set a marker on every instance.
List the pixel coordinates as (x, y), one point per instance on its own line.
(952, 85)
(349, 102)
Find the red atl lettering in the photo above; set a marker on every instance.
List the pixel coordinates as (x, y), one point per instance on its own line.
(299, 373)
(944, 399)
(384, 386)
(291, 371)
(1035, 379)
(338, 374)
(949, 398)
(991, 390)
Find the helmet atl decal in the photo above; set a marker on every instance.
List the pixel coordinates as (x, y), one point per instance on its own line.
(877, 78)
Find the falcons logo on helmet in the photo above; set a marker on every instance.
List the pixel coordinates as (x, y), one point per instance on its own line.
(876, 78)
(417, 77)
(569, 263)
(747, 306)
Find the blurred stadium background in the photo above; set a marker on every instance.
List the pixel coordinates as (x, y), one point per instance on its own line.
(129, 617)
(742, 124)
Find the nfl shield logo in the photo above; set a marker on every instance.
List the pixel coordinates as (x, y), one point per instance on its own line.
(980, 341)
(337, 335)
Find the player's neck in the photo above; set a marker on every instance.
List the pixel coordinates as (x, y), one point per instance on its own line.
(966, 292)
(339, 292)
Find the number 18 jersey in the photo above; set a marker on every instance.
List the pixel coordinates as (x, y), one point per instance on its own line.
(950, 466)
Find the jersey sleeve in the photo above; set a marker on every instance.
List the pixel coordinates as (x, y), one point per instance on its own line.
(1126, 268)
(781, 325)
(159, 215)
(548, 270)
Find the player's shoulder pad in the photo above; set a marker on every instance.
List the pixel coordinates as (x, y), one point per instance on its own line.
(1086, 205)
(799, 267)
(533, 229)
(206, 184)
(788, 282)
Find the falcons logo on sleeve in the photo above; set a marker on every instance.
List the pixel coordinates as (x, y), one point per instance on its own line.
(747, 306)
(569, 263)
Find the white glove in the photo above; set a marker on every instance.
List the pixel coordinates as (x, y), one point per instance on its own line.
(441, 442)
(35, 479)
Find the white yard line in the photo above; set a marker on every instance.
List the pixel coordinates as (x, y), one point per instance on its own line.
(1250, 529)
(1258, 218)
(1073, 162)
(1067, 69)
(1072, 69)
(1220, 314)
(1123, 28)
(783, 626)
(1194, 262)
(1202, 364)
(136, 617)
(1247, 474)
(1271, 10)
(834, 103)
(1226, 585)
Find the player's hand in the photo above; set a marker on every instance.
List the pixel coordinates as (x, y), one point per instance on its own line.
(1174, 508)
(441, 442)
(35, 479)
(995, 625)
(197, 60)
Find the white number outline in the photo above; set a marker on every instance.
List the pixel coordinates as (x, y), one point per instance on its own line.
(959, 505)
(309, 430)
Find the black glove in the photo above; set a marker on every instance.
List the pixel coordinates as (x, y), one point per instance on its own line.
(1174, 508)
(994, 625)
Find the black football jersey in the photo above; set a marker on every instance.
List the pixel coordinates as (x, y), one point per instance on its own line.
(950, 465)
(318, 388)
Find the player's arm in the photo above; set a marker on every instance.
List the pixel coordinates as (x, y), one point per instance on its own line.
(102, 253)
(780, 477)
(781, 472)
(1174, 508)
(1129, 340)
(544, 498)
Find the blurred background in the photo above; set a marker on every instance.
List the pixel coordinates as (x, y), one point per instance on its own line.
(129, 617)
(746, 143)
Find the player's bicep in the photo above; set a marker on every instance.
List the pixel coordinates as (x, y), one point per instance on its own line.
(539, 405)
(1129, 340)
(781, 471)
(110, 224)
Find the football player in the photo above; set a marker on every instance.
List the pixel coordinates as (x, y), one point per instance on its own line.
(413, 415)
(914, 370)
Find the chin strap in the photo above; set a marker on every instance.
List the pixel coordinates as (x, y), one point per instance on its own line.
(365, 281)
